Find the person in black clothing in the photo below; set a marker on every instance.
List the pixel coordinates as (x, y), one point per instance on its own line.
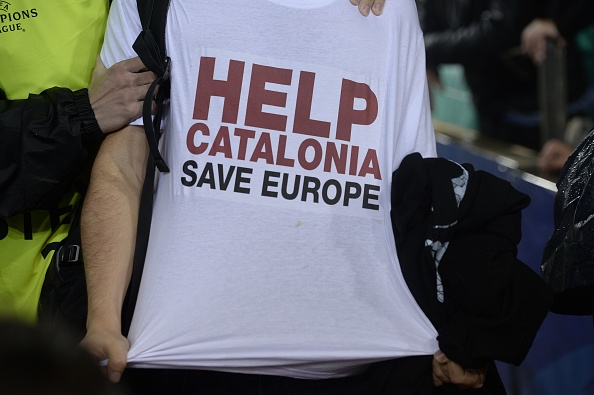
(560, 23)
(485, 37)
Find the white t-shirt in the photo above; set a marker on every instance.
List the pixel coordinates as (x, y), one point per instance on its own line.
(271, 246)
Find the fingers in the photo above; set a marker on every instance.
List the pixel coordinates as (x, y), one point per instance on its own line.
(115, 367)
(378, 7)
(366, 6)
(124, 78)
(440, 357)
(447, 371)
(130, 72)
(109, 346)
(143, 78)
(133, 65)
(440, 371)
(535, 36)
(553, 156)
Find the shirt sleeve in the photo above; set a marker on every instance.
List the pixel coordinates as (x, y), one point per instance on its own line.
(415, 125)
(123, 26)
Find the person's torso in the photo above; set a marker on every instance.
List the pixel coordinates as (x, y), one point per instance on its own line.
(271, 247)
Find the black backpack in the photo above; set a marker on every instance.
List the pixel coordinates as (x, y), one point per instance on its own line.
(568, 258)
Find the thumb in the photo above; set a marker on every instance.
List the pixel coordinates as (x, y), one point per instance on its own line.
(117, 360)
(441, 357)
(114, 377)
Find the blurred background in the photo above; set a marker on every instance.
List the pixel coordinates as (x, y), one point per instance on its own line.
(512, 87)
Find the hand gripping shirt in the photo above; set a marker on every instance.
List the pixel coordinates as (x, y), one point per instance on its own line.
(271, 249)
(42, 44)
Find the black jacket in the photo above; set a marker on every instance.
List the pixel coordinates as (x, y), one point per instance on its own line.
(568, 256)
(457, 250)
(571, 16)
(45, 140)
(485, 36)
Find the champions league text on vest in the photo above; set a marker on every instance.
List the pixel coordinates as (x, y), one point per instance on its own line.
(263, 136)
(11, 21)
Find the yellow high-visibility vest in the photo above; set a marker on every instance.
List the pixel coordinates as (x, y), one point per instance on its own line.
(42, 44)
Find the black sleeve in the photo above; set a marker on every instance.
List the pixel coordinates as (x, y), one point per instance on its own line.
(473, 31)
(45, 140)
(571, 17)
(429, 11)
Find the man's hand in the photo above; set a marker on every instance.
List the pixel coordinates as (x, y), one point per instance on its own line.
(553, 155)
(110, 346)
(375, 6)
(535, 36)
(448, 371)
(116, 94)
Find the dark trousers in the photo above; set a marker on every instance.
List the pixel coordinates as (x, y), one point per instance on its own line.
(403, 376)
(200, 382)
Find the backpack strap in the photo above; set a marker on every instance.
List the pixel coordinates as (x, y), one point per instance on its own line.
(150, 46)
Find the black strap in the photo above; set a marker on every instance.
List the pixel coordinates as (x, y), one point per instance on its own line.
(142, 237)
(150, 46)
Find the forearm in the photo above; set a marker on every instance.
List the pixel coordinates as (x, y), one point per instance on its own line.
(108, 227)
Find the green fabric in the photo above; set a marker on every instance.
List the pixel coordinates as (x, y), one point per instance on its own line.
(49, 43)
(22, 263)
(452, 103)
(585, 42)
(42, 44)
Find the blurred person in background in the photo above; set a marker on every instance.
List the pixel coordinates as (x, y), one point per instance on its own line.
(560, 23)
(485, 37)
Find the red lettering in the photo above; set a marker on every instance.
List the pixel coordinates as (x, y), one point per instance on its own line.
(370, 165)
(207, 87)
(281, 160)
(303, 123)
(347, 115)
(302, 157)
(244, 135)
(259, 96)
(332, 156)
(221, 143)
(354, 160)
(263, 150)
(190, 140)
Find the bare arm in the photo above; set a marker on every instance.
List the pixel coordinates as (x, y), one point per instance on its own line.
(108, 229)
